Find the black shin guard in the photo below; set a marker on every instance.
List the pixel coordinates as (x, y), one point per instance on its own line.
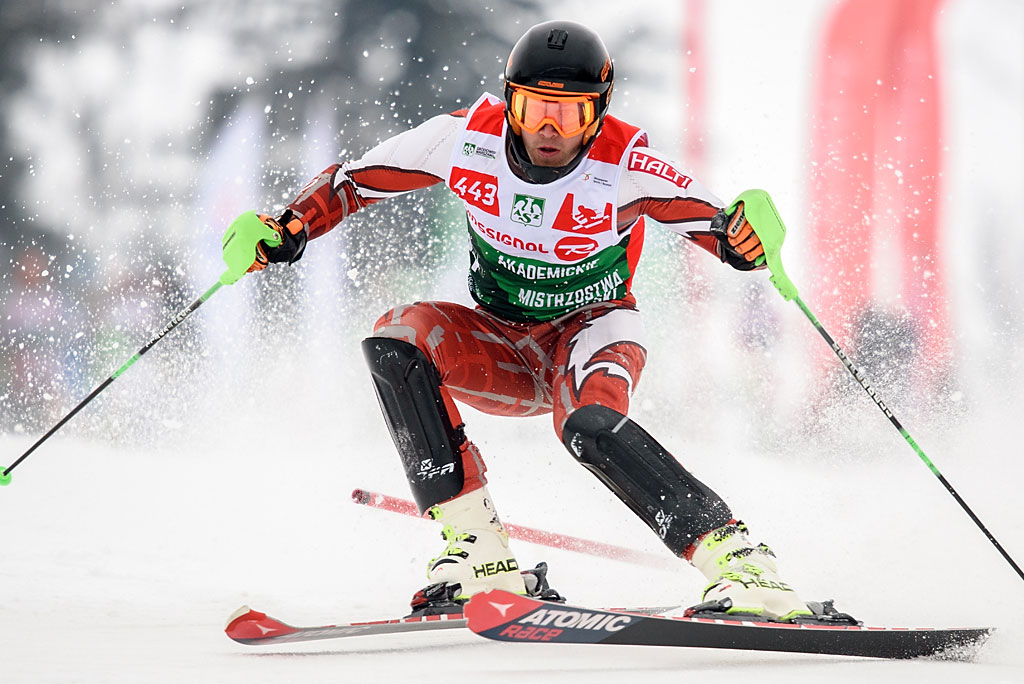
(409, 390)
(677, 506)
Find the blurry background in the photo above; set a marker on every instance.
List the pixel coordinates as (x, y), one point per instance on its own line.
(131, 133)
(889, 134)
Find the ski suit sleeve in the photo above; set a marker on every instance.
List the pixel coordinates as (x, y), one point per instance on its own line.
(653, 186)
(408, 161)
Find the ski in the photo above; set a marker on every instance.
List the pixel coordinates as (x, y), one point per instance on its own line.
(250, 627)
(253, 628)
(504, 616)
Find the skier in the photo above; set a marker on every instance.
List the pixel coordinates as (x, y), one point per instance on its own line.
(556, 191)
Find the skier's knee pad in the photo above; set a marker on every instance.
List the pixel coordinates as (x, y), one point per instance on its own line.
(409, 390)
(648, 479)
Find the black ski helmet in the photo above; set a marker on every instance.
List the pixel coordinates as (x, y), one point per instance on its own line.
(563, 56)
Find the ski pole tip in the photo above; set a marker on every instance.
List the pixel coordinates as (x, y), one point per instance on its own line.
(5, 477)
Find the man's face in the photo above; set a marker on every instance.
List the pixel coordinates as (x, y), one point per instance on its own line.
(547, 147)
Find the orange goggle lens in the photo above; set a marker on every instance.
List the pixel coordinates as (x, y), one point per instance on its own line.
(570, 115)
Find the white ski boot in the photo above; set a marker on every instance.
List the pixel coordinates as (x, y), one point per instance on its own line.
(744, 578)
(477, 558)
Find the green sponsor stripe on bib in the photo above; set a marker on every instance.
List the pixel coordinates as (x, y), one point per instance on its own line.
(527, 289)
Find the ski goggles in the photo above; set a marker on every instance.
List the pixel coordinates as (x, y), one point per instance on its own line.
(569, 114)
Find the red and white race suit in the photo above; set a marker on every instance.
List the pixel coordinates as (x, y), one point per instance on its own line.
(556, 326)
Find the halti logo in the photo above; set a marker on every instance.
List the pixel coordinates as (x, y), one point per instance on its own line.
(528, 210)
(638, 161)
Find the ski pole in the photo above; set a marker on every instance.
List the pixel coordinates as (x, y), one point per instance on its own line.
(5, 477)
(765, 220)
(530, 534)
(239, 244)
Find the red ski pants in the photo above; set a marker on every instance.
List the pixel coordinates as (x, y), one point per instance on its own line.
(593, 355)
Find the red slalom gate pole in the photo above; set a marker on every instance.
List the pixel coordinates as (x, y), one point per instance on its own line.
(530, 534)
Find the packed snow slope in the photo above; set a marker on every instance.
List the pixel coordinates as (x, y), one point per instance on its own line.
(122, 562)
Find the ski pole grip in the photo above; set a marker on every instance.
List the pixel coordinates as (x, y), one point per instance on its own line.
(239, 245)
(765, 220)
